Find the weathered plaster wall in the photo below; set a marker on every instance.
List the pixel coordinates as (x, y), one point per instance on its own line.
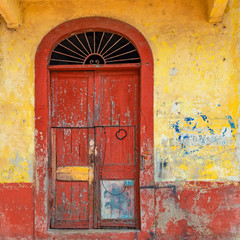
(196, 84)
(196, 100)
(195, 112)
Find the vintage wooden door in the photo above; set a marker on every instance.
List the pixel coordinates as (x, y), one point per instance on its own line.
(95, 149)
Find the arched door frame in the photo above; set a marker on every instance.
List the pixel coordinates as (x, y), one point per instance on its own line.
(42, 154)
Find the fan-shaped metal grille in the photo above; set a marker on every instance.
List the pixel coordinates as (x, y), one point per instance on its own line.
(94, 48)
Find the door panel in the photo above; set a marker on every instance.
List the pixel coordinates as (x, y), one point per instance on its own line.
(72, 176)
(117, 200)
(71, 201)
(95, 149)
(114, 156)
(72, 147)
(116, 110)
(116, 100)
(118, 144)
(72, 99)
(117, 166)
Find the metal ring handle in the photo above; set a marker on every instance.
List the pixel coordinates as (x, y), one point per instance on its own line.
(121, 138)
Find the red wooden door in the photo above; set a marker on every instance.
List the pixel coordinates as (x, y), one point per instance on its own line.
(95, 149)
(72, 149)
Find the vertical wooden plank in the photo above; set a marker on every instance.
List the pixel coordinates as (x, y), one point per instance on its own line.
(97, 175)
(83, 147)
(106, 88)
(60, 146)
(53, 175)
(84, 201)
(79, 201)
(91, 161)
(102, 100)
(75, 147)
(67, 146)
(63, 201)
(115, 104)
(90, 100)
(97, 93)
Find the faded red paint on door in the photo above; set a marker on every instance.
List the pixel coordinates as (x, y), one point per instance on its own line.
(95, 148)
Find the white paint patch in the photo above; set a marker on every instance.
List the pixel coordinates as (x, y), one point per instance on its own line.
(175, 107)
(91, 146)
(173, 71)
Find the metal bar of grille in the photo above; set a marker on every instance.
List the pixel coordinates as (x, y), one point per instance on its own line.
(82, 44)
(77, 47)
(88, 42)
(121, 54)
(70, 49)
(120, 60)
(107, 43)
(67, 55)
(100, 42)
(117, 49)
(94, 41)
(112, 45)
(59, 60)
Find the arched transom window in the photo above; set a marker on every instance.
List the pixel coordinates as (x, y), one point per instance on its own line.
(94, 47)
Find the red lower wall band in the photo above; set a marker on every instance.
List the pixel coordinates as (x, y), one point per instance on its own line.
(186, 210)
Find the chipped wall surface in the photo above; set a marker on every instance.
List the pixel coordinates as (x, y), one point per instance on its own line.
(197, 210)
(196, 85)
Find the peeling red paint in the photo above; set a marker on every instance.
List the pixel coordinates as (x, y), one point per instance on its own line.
(16, 210)
(208, 210)
(198, 210)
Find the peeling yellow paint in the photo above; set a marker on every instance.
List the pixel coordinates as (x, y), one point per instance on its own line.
(74, 174)
(195, 74)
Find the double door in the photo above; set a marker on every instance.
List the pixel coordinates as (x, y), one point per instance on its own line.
(94, 149)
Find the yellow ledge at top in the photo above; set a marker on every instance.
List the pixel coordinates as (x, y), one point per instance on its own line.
(10, 11)
(216, 10)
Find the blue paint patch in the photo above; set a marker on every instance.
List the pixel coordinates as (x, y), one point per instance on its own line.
(231, 122)
(116, 200)
(218, 105)
(176, 126)
(224, 132)
(128, 182)
(194, 127)
(193, 151)
(189, 119)
(210, 130)
(204, 117)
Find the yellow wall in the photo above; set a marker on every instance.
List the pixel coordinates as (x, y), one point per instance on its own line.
(196, 84)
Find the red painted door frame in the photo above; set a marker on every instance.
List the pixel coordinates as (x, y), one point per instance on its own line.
(42, 141)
